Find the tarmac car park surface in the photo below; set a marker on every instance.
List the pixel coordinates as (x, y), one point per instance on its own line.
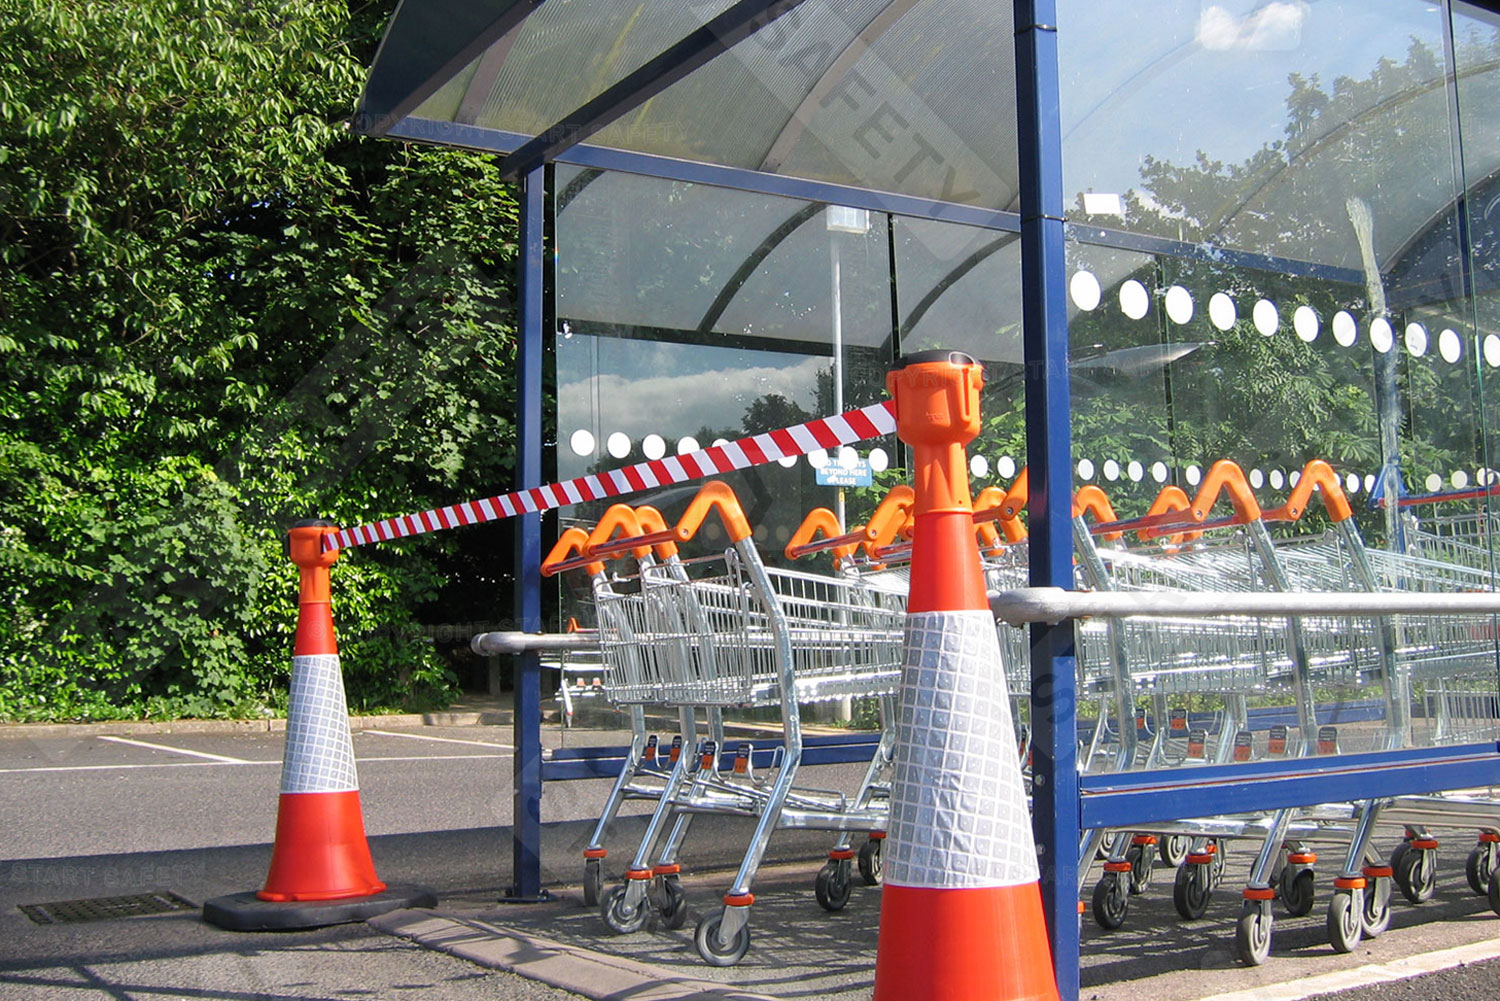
(90, 814)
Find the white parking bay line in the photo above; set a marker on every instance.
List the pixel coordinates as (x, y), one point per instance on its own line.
(210, 764)
(440, 740)
(221, 758)
(1364, 976)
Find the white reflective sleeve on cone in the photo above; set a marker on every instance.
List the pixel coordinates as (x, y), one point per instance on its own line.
(319, 754)
(959, 818)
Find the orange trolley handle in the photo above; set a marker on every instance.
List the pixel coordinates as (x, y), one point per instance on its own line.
(805, 542)
(1319, 475)
(714, 495)
(619, 518)
(1091, 499)
(571, 541)
(891, 518)
(653, 524)
(1017, 497)
(1225, 476)
(989, 505)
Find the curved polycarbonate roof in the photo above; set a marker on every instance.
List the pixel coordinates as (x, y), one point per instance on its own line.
(1186, 121)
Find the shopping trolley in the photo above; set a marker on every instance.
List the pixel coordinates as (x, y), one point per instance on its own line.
(1232, 658)
(628, 674)
(736, 633)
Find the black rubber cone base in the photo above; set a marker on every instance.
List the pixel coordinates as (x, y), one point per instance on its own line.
(247, 912)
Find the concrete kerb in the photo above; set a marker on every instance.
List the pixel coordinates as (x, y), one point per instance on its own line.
(126, 728)
(582, 971)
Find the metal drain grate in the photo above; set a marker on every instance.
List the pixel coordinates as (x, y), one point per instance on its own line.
(64, 912)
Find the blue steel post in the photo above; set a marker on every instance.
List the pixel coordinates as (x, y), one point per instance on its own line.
(526, 813)
(1049, 460)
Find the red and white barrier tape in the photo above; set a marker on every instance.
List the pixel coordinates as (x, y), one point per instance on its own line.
(756, 450)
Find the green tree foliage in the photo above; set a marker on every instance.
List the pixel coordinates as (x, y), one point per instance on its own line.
(220, 312)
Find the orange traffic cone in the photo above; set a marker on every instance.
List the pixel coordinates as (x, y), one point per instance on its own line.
(961, 909)
(321, 870)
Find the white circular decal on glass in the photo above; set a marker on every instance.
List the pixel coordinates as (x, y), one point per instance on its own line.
(879, 461)
(817, 458)
(618, 444)
(1179, 304)
(1305, 323)
(979, 466)
(848, 457)
(1459, 479)
(1277, 479)
(1221, 311)
(582, 442)
(1194, 475)
(1492, 350)
(1434, 483)
(1257, 479)
(1135, 471)
(1159, 472)
(1450, 345)
(653, 446)
(1382, 337)
(1369, 482)
(1111, 470)
(1006, 467)
(787, 461)
(720, 442)
(1135, 301)
(1345, 330)
(1084, 288)
(1416, 340)
(687, 444)
(1085, 469)
(1293, 477)
(1351, 484)
(1265, 316)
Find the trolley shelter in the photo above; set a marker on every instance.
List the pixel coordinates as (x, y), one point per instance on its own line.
(1247, 250)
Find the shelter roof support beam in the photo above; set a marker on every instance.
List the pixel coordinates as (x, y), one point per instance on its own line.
(426, 43)
(694, 51)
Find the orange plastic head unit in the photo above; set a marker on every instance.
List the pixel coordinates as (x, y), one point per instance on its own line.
(937, 414)
(303, 545)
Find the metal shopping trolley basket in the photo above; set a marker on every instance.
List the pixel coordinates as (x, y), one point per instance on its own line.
(733, 632)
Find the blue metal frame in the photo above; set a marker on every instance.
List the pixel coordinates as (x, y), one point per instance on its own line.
(1044, 310)
(1140, 798)
(526, 728)
(474, 137)
(604, 762)
(426, 130)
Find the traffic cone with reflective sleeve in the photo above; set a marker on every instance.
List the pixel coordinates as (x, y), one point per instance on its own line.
(961, 909)
(321, 870)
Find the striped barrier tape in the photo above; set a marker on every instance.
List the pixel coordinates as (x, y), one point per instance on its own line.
(755, 450)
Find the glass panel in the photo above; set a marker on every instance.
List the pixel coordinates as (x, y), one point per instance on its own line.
(913, 115)
(1248, 124)
(570, 50)
(701, 314)
(732, 110)
(1301, 295)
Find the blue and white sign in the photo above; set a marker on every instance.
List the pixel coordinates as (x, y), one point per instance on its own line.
(837, 474)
